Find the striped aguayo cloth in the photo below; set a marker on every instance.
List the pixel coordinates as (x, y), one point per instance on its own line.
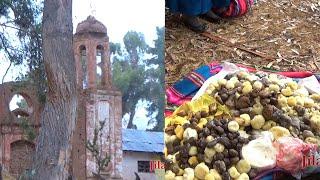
(184, 89)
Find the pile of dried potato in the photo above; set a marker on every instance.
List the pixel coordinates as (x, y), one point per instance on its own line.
(204, 137)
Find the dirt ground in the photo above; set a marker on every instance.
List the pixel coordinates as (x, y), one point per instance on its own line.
(281, 35)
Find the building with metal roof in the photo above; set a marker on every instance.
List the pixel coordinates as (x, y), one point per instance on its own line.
(141, 153)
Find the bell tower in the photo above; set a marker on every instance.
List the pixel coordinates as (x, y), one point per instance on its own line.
(98, 101)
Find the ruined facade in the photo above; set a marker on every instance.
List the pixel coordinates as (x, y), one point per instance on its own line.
(98, 101)
(16, 150)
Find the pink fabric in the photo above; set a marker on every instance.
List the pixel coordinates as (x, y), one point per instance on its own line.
(291, 152)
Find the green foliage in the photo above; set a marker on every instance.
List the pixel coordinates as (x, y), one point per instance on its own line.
(115, 48)
(23, 19)
(22, 104)
(94, 146)
(139, 78)
(28, 130)
(135, 45)
(157, 80)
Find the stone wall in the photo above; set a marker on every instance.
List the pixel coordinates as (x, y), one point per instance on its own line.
(22, 153)
(108, 103)
(12, 136)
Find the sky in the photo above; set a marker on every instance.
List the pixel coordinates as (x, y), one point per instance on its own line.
(119, 16)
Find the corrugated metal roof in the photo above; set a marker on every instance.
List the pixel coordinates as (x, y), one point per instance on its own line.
(143, 141)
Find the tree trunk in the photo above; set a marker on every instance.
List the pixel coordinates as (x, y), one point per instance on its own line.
(132, 113)
(54, 146)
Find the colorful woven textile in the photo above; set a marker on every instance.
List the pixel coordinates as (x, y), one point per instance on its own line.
(236, 8)
(183, 90)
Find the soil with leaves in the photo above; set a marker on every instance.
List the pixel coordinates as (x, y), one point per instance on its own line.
(278, 35)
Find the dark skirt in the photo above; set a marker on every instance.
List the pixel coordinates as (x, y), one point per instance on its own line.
(195, 7)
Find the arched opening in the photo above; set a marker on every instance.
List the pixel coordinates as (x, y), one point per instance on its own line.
(20, 107)
(21, 157)
(99, 63)
(84, 66)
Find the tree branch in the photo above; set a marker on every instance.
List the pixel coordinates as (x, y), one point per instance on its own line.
(6, 72)
(13, 27)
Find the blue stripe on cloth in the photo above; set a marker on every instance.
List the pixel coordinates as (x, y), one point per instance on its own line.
(186, 87)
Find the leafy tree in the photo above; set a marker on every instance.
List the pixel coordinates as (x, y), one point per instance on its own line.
(22, 19)
(156, 81)
(139, 78)
(135, 45)
(46, 48)
(130, 81)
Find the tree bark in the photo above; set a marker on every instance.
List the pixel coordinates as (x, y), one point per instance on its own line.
(54, 146)
(130, 123)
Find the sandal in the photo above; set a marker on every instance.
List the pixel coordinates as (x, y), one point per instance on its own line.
(193, 23)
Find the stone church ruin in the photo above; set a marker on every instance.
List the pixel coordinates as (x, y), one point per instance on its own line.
(98, 101)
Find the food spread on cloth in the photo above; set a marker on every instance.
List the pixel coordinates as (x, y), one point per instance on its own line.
(230, 131)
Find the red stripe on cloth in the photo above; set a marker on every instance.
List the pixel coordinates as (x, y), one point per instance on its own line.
(176, 92)
(243, 7)
(174, 98)
(199, 77)
(301, 74)
(194, 81)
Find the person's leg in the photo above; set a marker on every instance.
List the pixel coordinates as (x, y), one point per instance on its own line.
(211, 17)
(219, 6)
(191, 9)
(194, 23)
